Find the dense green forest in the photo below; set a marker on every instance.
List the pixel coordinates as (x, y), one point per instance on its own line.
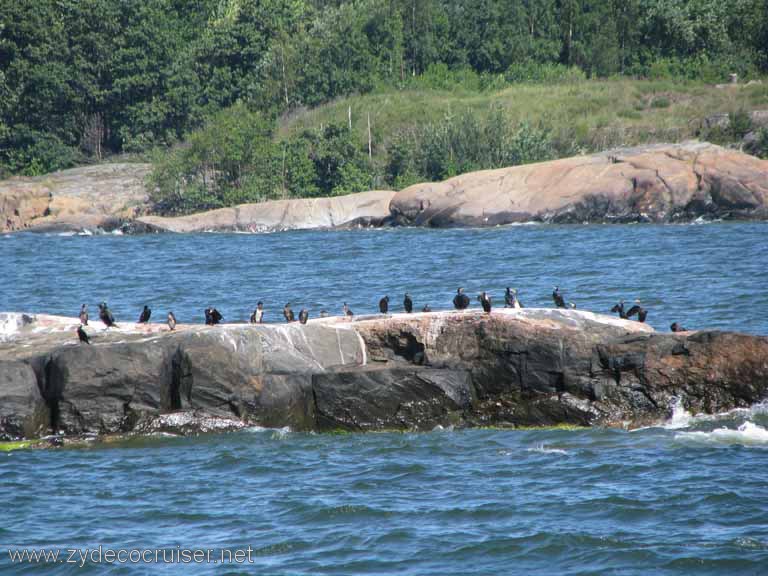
(205, 86)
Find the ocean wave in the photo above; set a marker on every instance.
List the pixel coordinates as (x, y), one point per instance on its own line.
(682, 419)
(543, 449)
(748, 434)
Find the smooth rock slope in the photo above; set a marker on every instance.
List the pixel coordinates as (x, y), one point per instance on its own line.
(511, 368)
(658, 183)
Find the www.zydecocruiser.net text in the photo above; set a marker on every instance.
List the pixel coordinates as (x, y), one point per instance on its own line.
(101, 555)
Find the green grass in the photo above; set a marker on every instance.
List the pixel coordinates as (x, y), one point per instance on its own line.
(17, 445)
(594, 114)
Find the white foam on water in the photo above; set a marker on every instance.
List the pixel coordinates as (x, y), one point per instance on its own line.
(681, 418)
(281, 433)
(748, 434)
(544, 449)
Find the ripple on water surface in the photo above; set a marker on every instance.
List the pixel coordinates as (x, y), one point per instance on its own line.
(685, 498)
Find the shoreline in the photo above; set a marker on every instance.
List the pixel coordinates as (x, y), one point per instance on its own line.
(534, 367)
(660, 183)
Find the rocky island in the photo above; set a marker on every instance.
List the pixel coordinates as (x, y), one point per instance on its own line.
(510, 368)
(655, 183)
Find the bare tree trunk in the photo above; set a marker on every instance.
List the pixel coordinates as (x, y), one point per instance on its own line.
(370, 148)
(285, 82)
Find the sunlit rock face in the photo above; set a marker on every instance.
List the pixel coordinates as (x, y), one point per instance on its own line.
(657, 183)
(531, 367)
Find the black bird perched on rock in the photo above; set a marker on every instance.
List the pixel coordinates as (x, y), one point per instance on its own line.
(346, 310)
(82, 336)
(677, 328)
(84, 314)
(510, 299)
(145, 314)
(461, 300)
(105, 315)
(641, 312)
(171, 321)
(258, 314)
(485, 301)
(303, 316)
(620, 309)
(426, 308)
(384, 305)
(212, 316)
(408, 303)
(288, 313)
(558, 298)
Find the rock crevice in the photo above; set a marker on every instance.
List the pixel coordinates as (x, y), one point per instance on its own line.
(510, 368)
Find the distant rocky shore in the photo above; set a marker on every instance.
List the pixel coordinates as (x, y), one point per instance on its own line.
(657, 183)
(510, 368)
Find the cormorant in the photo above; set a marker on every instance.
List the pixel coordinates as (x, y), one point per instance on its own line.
(620, 309)
(408, 303)
(288, 313)
(84, 315)
(461, 300)
(105, 315)
(510, 299)
(303, 316)
(485, 300)
(212, 316)
(384, 305)
(558, 298)
(145, 314)
(323, 313)
(258, 314)
(426, 308)
(677, 328)
(171, 321)
(346, 310)
(641, 312)
(82, 336)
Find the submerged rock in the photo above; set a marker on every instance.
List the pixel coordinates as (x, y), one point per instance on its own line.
(528, 367)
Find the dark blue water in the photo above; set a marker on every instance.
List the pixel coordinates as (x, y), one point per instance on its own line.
(713, 275)
(688, 498)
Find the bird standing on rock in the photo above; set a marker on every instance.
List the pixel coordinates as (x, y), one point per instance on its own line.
(461, 300)
(145, 314)
(426, 308)
(485, 301)
(82, 336)
(384, 305)
(105, 315)
(84, 315)
(288, 313)
(620, 309)
(212, 316)
(558, 298)
(641, 312)
(510, 299)
(677, 328)
(347, 311)
(303, 316)
(171, 321)
(258, 314)
(408, 303)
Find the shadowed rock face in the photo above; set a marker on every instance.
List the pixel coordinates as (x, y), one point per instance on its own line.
(510, 368)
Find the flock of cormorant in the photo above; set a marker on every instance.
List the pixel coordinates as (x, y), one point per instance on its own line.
(460, 302)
